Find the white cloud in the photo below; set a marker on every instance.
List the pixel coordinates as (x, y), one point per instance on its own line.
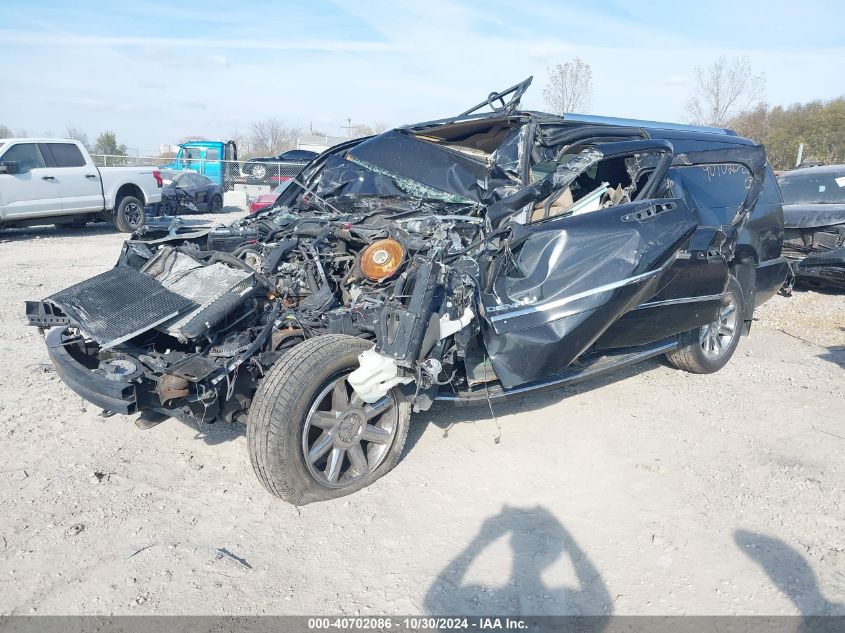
(675, 80)
(411, 61)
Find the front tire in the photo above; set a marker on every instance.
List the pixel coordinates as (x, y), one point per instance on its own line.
(216, 204)
(310, 437)
(130, 215)
(707, 349)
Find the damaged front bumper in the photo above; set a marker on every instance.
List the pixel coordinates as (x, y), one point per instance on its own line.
(823, 268)
(122, 384)
(66, 352)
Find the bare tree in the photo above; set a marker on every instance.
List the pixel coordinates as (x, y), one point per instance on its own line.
(724, 89)
(5, 132)
(570, 87)
(270, 137)
(75, 133)
(241, 140)
(361, 129)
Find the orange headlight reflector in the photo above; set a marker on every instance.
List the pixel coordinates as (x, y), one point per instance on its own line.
(381, 259)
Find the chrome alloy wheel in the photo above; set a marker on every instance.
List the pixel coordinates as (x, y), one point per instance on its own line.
(716, 338)
(345, 438)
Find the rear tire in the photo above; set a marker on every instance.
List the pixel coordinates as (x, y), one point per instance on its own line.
(216, 204)
(130, 215)
(707, 349)
(309, 437)
(258, 171)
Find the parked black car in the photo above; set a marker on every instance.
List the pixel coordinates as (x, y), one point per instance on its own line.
(814, 224)
(285, 164)
(187, 192)
(464, 260)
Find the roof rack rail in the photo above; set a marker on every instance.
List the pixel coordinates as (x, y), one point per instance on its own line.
(658, 125)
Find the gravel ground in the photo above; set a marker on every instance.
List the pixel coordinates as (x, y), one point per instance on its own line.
(649, 491)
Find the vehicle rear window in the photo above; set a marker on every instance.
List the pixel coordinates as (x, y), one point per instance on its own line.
(813, 188)
(66, 155)
(26, 155)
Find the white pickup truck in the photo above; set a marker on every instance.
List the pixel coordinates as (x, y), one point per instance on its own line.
(54, 181)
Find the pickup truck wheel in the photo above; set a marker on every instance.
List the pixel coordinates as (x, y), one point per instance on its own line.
(707, 349)
(216, 204)
(130, 215)
(310, 437)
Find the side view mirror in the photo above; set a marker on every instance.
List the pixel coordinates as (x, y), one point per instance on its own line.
(8, 168)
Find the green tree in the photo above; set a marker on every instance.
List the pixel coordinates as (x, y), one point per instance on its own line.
(820, 126)
(106, 143)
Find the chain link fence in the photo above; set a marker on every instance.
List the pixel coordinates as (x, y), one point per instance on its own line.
(232, 174)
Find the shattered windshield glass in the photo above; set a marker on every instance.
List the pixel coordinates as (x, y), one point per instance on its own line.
(411, 187)
(460, 165)
(402, 156)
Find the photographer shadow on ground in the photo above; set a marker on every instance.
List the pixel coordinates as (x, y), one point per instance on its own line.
(790, 572)
(537, 541)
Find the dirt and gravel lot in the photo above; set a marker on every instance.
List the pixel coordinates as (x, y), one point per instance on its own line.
(650, 491)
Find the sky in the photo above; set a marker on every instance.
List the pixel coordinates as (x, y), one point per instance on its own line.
(155, 72)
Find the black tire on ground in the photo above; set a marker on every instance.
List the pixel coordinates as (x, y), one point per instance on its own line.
(130, 215)
(299, 387)
(707, 349)
(216, 204)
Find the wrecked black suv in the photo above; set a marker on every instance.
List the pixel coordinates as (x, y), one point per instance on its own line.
(463, 260)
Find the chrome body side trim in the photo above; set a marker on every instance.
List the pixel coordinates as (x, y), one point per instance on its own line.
(771, 262)
(556, 303)
(680, 300)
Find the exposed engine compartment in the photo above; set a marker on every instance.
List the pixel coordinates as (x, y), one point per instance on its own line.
(233, 300)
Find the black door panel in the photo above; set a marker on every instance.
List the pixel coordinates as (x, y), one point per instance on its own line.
(533, 353)
(655, 320)
(570, 278)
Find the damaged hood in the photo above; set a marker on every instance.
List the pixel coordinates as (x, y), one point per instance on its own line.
(810, 216)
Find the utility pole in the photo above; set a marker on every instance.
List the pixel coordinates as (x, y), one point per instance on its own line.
(348, 127)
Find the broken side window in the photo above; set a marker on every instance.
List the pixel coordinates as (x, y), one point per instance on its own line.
(587, 181)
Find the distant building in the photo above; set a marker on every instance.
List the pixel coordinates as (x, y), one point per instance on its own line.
(318, 142)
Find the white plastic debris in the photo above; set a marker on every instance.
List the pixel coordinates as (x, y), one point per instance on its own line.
(238, 199)
(376, 375)
(449, 326)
